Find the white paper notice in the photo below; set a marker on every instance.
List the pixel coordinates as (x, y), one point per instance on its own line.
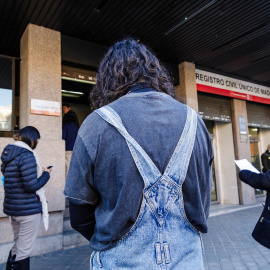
(243, 164)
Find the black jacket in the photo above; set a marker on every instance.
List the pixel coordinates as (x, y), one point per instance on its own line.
(20, 172)
(71, 117)
(266, 161)
(257, 180)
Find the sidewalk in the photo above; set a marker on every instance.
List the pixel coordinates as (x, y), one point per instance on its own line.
(228, 244)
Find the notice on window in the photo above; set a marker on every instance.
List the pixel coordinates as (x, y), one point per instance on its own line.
(243, 164)
(45, 107)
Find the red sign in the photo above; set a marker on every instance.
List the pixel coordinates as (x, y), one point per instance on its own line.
(229, 93)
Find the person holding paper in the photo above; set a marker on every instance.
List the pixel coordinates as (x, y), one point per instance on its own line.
(261, 232)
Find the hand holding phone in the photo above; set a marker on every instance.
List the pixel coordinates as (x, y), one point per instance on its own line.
(49, 168)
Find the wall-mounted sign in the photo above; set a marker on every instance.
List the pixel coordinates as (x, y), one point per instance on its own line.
(45, 107)
(225, 86)
(243, 129)
(80, 75)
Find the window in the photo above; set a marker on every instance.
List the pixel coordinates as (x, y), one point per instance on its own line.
(6, 94)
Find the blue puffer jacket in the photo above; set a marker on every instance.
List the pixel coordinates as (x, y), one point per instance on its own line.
(21, 182)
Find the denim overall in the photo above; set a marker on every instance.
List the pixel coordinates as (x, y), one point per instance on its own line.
(162, 237)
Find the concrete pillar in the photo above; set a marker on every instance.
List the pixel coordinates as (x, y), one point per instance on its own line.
(225, 166)
(40, 78)
(187, 88)
(241, 146)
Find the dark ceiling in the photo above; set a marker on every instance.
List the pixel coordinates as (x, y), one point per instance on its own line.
(229, 36)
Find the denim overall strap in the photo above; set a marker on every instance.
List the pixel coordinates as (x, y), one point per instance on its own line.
(177, 170)
(145, 165)
(162, 237)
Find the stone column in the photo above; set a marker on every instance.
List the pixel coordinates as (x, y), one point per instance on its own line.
(224, 162)
(241, 146)
(40, 78)
(187, 88)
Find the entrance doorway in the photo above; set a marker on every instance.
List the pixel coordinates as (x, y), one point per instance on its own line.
(77, 84)
(76, 87)
(76, 94)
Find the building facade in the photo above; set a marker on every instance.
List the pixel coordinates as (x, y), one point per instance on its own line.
(54, 68)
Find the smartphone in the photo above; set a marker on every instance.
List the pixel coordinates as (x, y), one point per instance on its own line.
(51, 166)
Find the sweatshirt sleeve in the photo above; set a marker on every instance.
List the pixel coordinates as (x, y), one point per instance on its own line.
(78, 187)
(82, 219)
(256, 180)
(28, 169)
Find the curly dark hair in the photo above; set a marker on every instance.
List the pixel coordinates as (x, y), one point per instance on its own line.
(127, 63)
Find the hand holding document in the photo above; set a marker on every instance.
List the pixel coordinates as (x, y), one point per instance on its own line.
(243, 164)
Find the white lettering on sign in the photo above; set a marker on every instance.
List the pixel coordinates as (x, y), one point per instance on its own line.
(45, 107)
(223, 85)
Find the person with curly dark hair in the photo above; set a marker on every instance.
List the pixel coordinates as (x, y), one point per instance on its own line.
(140, 177)
(123, 69)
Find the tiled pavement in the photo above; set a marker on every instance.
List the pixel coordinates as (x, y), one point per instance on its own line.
(228, 245)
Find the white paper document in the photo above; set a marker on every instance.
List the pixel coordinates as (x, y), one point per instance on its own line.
(243, 164)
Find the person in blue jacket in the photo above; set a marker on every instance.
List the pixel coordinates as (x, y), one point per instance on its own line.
(261, 232)
(69, 133)
(23, 177)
